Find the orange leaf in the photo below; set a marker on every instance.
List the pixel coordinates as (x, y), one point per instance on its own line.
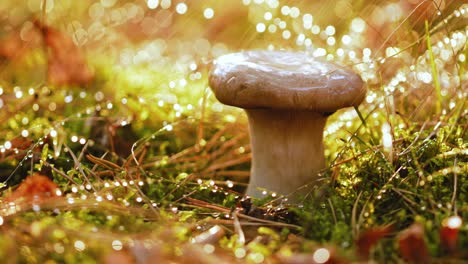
(11, 45)
(370, 238)
(15, 44)
(412, 245)
(18, 147)
(34, 186)
(449, 233)
(67, 63)
(21, 143)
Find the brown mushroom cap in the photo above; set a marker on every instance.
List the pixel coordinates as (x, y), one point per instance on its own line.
(284, 80)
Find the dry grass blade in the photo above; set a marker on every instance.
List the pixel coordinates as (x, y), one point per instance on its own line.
(61, 173)
(215, 139)
(225, 210)
(229, 163)
(238, 229)
(354, 224)
(234, 142)
(226, 173)
(211, 236)
(104, 163)
(70, 203)
(145, 158)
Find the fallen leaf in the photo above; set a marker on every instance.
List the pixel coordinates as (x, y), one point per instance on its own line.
(368, 239)
(15, 44)
(66, 62)
(449, 233)
(21, 143)
(412, 245)
(11, 45)
(34, 186)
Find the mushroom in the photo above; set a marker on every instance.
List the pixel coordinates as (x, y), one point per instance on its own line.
(287, 97)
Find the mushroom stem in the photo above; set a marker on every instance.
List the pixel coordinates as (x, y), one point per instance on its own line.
(287, 149)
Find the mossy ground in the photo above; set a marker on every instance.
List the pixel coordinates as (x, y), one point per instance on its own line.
(150, 166)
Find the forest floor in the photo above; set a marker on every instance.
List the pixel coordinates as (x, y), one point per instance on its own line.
(113, 149)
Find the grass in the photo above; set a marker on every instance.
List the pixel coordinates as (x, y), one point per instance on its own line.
(435, 74)
(150, 166)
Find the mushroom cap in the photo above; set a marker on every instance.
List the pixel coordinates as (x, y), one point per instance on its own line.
(284, 80)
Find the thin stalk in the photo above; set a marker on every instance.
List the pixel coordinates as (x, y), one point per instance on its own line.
(332, 210)
(45, 48)
(354, 216)
(200, 130)
(435, 74)
(455, 182)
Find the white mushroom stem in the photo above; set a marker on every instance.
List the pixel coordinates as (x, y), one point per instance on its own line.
(287, 149)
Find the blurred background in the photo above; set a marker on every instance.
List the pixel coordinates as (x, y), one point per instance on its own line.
(110, 99)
